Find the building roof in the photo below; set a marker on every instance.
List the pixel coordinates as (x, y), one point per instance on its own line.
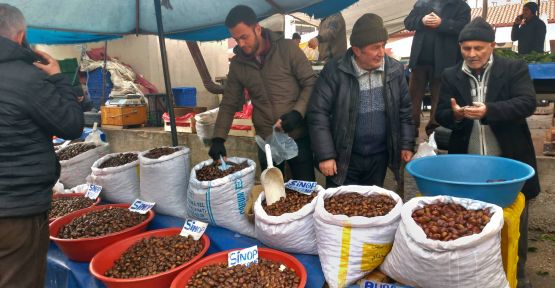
(501, 15)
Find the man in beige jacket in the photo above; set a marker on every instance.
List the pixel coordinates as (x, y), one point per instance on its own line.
(279, 80)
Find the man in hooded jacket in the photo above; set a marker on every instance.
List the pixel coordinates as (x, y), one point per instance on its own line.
(36, 103)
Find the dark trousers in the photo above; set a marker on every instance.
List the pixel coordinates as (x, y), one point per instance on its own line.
(420, 76)
(23, 248)
(523, 250)
(302, 166)
(364, 170)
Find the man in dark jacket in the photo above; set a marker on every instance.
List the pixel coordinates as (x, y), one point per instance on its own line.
(279, 80)
(332, 38)
(529, 30)
(485, 101)
(36, 103)
(359, 113)
(437, 24)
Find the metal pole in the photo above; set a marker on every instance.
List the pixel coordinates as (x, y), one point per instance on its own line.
(104, 74)
(485, 9)
(166, 70)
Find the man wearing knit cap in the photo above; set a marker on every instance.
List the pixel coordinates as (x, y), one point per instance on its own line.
(359, 116)
(529, 30)
(485, 100)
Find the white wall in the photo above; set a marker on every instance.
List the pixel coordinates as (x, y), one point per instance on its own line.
(143, 54)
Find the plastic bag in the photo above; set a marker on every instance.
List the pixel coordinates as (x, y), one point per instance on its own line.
(426, 148)
(351, 247)
(471, 261)
(222, 201)
(205, 123)
(283, 146)
(290, 232)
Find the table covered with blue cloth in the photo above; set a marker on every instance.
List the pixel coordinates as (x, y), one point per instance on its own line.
(62, 272)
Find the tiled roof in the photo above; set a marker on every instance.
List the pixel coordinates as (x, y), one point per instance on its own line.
(501, 16)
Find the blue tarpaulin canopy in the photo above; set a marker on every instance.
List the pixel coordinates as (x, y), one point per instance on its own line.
(80, 21)
(77, 21)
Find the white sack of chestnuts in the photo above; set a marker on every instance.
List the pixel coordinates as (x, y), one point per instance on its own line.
(120, 184)
(351, 247)
(290, 232)
(468, 261)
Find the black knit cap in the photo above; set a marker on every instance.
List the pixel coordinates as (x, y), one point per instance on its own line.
(477, 30)
(368, 29)
(533, 6)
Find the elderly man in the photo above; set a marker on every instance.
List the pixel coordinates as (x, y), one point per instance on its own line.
(279, 80)
(359, 114)
(485, 101)
(529, 30)
(36, 103)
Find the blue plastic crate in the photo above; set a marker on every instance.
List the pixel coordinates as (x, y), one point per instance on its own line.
(185, 96)
(94, 86)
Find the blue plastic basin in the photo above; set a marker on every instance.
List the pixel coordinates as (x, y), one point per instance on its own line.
(470, 176)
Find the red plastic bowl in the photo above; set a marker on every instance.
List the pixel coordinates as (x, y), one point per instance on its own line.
(221, 257)
(104, 260)
(83, 249)
(50, 220)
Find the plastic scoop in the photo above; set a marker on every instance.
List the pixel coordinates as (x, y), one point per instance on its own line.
(223, 165)
(64, 145)
(272, 180)
(94, 136)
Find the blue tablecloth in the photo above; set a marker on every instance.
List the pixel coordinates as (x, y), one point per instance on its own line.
(62, 272)
(542, 71)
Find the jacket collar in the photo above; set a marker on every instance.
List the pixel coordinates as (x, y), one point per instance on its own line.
(463, 85)
(11, 51)
(271, 39)
(345, 64)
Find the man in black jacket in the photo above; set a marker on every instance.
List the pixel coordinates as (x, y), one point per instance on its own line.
(36, 103)
(359, 113)
(485, 101)
(529, 30)
(437, 24)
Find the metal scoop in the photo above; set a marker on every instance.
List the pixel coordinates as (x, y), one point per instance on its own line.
(272, 180)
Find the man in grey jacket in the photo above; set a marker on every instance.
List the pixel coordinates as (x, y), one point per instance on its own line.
(332, 38)
(359, 115)
(36, 103)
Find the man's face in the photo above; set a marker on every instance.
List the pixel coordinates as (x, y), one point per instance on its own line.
(298, 41)
(476, 53)
(371, 56)
(247, 37)
(527, 13)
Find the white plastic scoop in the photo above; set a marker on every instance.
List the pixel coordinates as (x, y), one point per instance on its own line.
(272, 180)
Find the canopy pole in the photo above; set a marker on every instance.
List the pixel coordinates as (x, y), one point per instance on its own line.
(104, 74)
(166, 70)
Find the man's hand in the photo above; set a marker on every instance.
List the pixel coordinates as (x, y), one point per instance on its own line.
(518, 19)
(458, 111)
(477, 111)
(328, 167)
(406, 155)
(431, 20)
(217, 149)
(313, 43)
(290, 121)
(51, 67)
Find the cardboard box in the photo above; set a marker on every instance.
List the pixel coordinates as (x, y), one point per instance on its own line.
(123, 115)
(243, 133)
